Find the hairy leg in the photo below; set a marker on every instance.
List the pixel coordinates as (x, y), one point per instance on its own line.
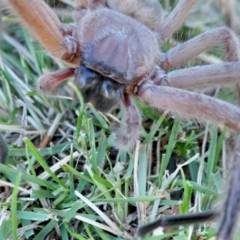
(189, 104)
(229, 10)
(175, 19)
(89, 4)
(128, 133)
(176, 220)
(200, 76)
(43, 23)
(50, 81)
(205, 41)
(148, 12)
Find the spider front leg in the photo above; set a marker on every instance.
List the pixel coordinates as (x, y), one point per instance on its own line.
(188, 104)
(43, 23)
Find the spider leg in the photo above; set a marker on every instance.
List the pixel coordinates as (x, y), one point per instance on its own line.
(200, 76)
(175, 19)
(49, 81)
(229, 10)
(176, 220)
(127, 134)
(188, 104)
(147, 12)
(230, 215)
(43, 23)
(205, 41)
(89, 4)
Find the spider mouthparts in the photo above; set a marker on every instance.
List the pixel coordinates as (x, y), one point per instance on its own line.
(101, 91)
(111, 89)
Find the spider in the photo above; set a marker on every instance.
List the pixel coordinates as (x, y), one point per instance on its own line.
(112, 51)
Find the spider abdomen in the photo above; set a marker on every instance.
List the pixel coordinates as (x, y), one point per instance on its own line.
(116, 45)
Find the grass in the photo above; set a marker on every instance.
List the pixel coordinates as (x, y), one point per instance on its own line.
(63, 180)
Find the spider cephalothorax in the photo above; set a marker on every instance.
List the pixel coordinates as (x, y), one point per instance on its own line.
(113, 52)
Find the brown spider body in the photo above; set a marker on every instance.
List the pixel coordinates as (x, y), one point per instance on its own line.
(110, 46)
(113, 56)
